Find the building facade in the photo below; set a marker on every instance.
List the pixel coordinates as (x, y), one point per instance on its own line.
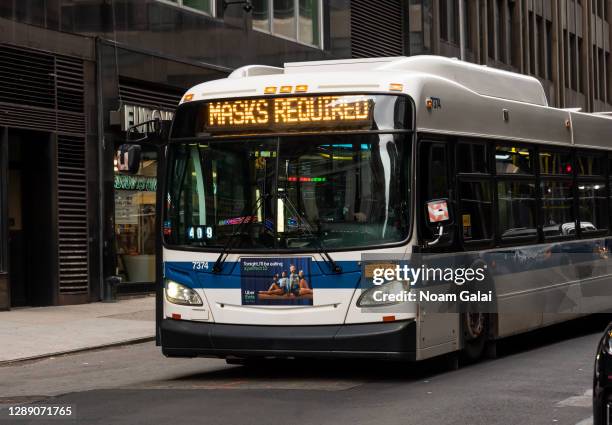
(75, 74)
(563, 43)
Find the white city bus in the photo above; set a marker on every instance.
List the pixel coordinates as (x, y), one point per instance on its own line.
(277, 180)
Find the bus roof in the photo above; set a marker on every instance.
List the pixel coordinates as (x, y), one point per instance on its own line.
(480, 79)
(470, 100)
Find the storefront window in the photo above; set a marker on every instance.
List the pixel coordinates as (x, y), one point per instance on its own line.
(135, 221)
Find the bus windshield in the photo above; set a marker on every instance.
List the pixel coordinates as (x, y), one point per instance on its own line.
(294, 193)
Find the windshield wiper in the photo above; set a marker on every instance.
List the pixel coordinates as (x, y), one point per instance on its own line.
(322, 252)
(247, 219)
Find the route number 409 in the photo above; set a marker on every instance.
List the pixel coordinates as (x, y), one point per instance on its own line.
(199, 233)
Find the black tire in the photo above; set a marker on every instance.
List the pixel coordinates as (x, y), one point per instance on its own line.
(474, 340)
(476, 320)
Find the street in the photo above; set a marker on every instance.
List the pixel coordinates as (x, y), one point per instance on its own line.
(540, 378)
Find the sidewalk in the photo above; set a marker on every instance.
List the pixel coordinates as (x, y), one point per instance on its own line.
(28, 333)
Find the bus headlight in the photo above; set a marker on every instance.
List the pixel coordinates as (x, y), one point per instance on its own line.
(181, 294)
(391, 293)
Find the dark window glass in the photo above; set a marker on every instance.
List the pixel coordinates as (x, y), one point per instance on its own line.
(284, 18)
(308, 22)
(296, 193)
(261, 15)
(499, 7)
(475, 210)
(589, 165)
(555, 163)
(453, 22)
(549, 68)
(592, 198)
(443, 20)
(472, 158)
(516, 208)
(557, 201)
(513, 160)
(491, 28)
(435, 174)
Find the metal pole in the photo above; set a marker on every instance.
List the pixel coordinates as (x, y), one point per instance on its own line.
(461, 31)
(101, 164)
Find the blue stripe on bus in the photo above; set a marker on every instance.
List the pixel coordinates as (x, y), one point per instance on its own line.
(183, 272)
(504, 261)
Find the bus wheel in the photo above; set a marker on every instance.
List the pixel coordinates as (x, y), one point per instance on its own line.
(475, 330)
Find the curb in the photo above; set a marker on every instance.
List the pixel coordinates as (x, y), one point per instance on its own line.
(133, 341)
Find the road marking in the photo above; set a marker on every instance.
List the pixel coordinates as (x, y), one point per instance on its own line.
(584, 400)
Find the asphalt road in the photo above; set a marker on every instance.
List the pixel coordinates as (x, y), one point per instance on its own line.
(542, 378)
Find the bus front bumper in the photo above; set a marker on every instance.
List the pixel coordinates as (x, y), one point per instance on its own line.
(389, 340)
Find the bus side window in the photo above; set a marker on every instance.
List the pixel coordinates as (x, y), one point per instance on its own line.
(475, 192)
(436, 172)
(434, 175)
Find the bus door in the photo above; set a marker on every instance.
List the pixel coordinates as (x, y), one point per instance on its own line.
(437, 331)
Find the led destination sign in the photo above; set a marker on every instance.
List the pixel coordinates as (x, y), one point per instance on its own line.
(289, 113)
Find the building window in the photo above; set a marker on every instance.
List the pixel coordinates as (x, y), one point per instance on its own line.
(566, 61)
(608, 65)
(448, 13)
(533, 55)
(443, 19)
(467, 24)
(602, 73)
(600, 8)
(420, 26)
(453, 21)
(206, 6)
(581, 82)
(549, 51)
(293, 19)
(509, 34)
(595, 71)
(491, 28)
(573, 62)
(541, 48)
(501, 54)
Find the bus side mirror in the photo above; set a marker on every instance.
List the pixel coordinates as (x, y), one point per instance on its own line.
(127, 159)
(439, 218)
